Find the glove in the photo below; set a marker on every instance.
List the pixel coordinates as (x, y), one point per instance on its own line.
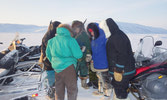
(118, 72)
(88, 57)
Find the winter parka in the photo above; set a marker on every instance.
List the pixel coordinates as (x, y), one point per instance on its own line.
(119, 51)
(98, 46)
(63, 50)
(48, 35)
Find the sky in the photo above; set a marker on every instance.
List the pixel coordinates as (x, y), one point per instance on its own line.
(40, 12)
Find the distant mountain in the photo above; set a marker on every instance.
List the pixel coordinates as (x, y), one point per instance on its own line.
(141, 29)
(126, 27)
(13, 28)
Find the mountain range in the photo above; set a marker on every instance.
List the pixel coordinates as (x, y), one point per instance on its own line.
(126, 27)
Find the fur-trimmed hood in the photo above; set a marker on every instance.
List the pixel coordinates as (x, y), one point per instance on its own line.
(103, 25)
(64, 29)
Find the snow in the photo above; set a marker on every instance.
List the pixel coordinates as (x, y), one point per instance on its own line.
(83, 94)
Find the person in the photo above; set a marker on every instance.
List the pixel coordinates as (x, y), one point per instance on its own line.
(47, 65)
(98, 44)
(83, 40)
(120, 59)
(63, 51)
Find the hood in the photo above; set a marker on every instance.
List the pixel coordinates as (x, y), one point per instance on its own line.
(95, 29)
(52, 29)
(103, 25)
(113, 27)
(64, 30)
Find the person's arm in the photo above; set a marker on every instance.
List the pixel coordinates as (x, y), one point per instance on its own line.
(121, 47)
(48, 51)
(75, 48)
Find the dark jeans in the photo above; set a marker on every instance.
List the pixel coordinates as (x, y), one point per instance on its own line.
(66, 79)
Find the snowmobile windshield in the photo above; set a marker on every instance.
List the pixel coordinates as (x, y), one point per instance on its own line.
(144, 50)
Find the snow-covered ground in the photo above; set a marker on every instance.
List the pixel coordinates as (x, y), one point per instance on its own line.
(35, 39)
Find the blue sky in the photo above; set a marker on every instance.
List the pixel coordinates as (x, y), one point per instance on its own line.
(40, 12)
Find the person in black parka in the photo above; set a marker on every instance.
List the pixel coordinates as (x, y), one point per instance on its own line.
(48, 35)
(120, 58)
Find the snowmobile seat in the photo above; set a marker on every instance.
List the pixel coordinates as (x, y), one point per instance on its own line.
(3, 72)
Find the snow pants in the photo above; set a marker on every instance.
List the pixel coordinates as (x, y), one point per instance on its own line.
(82, 68)
(66, 79)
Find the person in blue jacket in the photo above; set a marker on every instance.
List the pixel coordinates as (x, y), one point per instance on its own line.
(98, 45)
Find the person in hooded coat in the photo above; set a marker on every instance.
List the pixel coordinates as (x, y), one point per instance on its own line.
(47, 65)
(83, 40)
(120, 58)
(98, 45)
(63, 52)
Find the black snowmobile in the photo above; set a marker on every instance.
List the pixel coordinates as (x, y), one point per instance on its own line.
(8, 62)
(21, 80)
(150, 81)
(25, 53)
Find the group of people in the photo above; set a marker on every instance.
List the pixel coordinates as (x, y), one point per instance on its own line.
(66, 53)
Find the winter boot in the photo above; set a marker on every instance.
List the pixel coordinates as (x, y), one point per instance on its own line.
(100, 89)
(115, 97)
(97, 93)
(89, 84)
(107, 92)
(51, 93)
(84, 84)
(106, 97)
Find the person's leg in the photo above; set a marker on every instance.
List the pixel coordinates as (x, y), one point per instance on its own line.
(59, 86)
(100, 82)
(70, 80)
(100, 85)
(83, 69)
(51, 77)
(93, 80)
(107, 87)
(120, 88)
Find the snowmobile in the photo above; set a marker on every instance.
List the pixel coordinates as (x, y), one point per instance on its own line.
(29, 84)
(25, 53)
(21, 80)
(8, 62)
(150, 81)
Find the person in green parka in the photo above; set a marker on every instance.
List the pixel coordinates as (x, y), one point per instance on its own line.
(63, 52)
(83, 40)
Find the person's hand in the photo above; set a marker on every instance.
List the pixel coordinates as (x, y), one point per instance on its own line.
(118, 74)
(88, 57)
